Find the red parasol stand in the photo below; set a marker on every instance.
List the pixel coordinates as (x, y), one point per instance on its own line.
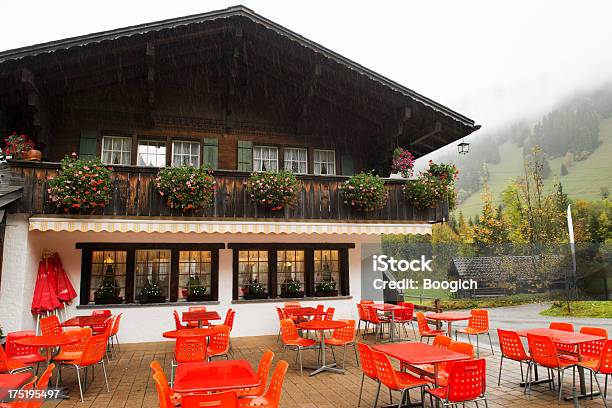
(44, 300)
(65, 290)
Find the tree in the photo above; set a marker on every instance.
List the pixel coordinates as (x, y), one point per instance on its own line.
(491, 228)
(563, 170)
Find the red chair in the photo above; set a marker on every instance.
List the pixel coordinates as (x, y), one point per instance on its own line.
(291, 339)
(115, 332)
(25, 354)
(511, 348)
(41, 385)
(263, 370)
(10, 365)
(544, 353)
(175, 397)
(602, 365)
(477, 325)
(219, 343)
(377, 321)
(568, 327)
(188, 350)
(592, 349)
(424, 329)
(197, 309)
(320, 308)
(74, 351)
(281, 316)
(221, 400)
(397, 380)
(368, 368)
(271, 399)
(329, 313)
(342, 337)
(50, 325)
(367, 302)
(163, 391)
(177, 321)
(362, 316)
(100, 328)
(93, 354)
(293, 304)
(22, 403)
(405, 316)
(467, 381)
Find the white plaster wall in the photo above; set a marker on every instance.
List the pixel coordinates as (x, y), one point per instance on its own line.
(146, 323)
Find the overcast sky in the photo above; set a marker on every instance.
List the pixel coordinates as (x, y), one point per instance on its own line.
(493, 61)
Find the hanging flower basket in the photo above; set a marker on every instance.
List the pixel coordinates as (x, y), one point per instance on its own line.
(437, 183)
(403, 162)
(81, 185)
(186, 188)
(274, 190)
(365, 192)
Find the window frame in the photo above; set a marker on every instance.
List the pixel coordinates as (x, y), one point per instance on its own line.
(255, 147)
(305, 161)
(102, 150)
(315, 162)
(272, 248)
(87, 248)
(191, 142)
(160, 143)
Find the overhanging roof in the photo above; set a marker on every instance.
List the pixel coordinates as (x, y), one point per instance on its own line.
(236, 11)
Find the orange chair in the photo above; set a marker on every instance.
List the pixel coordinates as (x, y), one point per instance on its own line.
(175, 397)
(320, 308)
(10, 365)
(229, 322)
(293, 304)
(50, 325)
(329, 313)
(444, 368)
(368, 368)
(362, 316)
(405, 316)
(397, 380)
(197, 309)
(187, 350)
(221, 400)
(477, 325)
(467, 381)
(74, 351)
(115, 332)
(544, 353)
(440, 341)
(424, 329)
(563, 326)
(342, 337)
(263, 370)
(219, 343)
(602, 365)
(163, 391)
(281, 315)
(592, 349)
(291, 339)
(271, 399)
(377, 321)
(100, 328)
(511, 348)
(25, 354)
(93, 354)
(42, 384)
(366, 302)
(26, 402)
(177, 321)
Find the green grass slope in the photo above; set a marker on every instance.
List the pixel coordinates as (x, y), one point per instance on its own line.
(584, 179)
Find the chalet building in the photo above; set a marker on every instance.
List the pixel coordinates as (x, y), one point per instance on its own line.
(230, 90)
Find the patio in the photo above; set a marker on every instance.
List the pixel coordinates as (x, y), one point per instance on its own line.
(132, 386)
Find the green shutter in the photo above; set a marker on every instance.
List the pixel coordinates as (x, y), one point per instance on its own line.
(88, 146)
(245, 155)
(347, 164)
(211, 153)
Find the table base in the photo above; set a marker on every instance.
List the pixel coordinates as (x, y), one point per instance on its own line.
(326, 367)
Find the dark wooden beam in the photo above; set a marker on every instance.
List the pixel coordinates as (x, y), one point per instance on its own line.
(437, 128)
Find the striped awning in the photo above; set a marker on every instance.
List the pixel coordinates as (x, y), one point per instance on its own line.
(215, 226)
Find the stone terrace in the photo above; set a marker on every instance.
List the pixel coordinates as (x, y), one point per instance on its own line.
(132, 386)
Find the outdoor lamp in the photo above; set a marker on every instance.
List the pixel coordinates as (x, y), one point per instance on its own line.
(463, 148)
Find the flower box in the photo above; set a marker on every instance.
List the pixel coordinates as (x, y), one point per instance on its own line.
(115, 300)
(250, 296)
(198, 298)
(326, 294)
(292, 295)
(152, 299)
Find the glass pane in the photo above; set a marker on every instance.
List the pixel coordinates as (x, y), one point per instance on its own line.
(152, 276)
(195, 268)
(107, 284)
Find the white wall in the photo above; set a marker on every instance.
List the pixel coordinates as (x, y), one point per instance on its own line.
(146, 323)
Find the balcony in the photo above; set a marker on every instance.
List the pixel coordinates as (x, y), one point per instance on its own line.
(135, 195)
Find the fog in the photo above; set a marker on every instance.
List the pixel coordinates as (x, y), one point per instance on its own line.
(493, 61)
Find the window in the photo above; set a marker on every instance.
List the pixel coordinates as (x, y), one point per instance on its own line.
(149, 272)
(324, 162)
(326, 272)
(186, 154)
(296, 160)
(253, 274)
(265, 158)
(152, 277)
(117, 150)
(195, 272)
(108, 276)
(151, 153)
(290, 273)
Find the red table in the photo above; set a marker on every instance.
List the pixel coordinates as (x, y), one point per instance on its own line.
(12, 382)
(195, 332)
(449, 318)
(200, 316)
(305, 311)
(222, 375)
(86, 321)
(322, 325)
(387, 307)
(49, 342)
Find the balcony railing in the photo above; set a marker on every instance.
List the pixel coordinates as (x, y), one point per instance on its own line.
(134, 194)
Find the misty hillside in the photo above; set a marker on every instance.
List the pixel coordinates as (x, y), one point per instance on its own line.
(576, 138)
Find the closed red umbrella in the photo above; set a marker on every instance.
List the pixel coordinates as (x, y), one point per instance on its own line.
(45, 297)
(65, 290)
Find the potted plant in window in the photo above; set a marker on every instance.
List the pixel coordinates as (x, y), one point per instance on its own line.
(254, 290)
(196, 291)
(151, 293)
(108, 291)
(290, 288)
(326, 288)
(273, 190)
(17, 146)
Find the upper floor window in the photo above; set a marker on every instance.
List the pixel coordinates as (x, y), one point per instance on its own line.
(186, 154)
(296, 160)
(151, 153)
(116, 150)
(324, 162)
(265, 158)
